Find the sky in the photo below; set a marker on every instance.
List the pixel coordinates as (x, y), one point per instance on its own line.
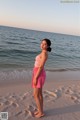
(45, 15)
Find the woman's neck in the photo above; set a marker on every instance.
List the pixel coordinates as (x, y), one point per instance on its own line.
(44, 51)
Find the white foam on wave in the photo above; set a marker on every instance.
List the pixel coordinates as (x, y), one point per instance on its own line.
(15, 75)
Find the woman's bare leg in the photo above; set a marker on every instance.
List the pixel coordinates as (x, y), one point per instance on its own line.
(37, 99)
(41, 99)
(39, 102)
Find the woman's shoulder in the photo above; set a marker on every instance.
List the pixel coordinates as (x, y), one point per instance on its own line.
(45, 54)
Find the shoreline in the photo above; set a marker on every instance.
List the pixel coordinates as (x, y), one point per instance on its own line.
(26, 76)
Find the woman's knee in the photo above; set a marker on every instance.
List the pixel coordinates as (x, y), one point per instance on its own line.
(36, 94)
(41, 96)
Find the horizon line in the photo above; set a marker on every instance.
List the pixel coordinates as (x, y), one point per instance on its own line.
(38, 30)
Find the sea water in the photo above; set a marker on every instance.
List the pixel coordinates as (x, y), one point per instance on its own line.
(19, 47)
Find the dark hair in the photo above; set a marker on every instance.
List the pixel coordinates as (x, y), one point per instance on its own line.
(48, 43)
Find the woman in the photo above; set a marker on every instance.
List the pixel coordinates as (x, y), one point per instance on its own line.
(39, 76)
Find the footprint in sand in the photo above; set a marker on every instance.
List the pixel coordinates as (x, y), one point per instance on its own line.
(24, 112)
(11, 97)
(49, 95)
(4, 102)
(75, 98)
(18, 113)
(7, 102)
(14, 97)
(31, 108)
(24, 96)
(58, 93)
(73, 94)
(27, 114)
(5, 109)
(68, 91)
(14, 104)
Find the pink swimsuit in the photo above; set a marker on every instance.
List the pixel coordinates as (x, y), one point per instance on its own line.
(42, 76)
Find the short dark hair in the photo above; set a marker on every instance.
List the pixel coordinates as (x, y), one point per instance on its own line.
(48, 43)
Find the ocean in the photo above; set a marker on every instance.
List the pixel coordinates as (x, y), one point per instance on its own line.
(19, 47)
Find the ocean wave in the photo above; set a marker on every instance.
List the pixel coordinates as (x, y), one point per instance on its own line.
(63, 69)
(8, 51)
(34, 42)
(24, 74)
(14, 43)
(15, 75)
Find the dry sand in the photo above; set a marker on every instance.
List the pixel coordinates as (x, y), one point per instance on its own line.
(61, 100)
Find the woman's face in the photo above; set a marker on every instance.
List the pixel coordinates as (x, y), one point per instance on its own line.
(44, 45)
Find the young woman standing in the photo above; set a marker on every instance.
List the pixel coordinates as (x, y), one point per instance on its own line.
(39, 76)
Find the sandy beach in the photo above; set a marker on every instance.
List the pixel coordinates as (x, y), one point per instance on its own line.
(61, 100)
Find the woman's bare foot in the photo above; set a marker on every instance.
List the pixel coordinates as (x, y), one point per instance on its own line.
(39, 115)
(36, 112)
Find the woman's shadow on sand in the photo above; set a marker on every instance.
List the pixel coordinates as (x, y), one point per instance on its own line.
(63, 110)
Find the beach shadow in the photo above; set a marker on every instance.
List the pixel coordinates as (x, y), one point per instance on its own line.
(63, 110)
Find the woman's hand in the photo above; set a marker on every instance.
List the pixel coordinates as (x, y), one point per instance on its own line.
(35, 81)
